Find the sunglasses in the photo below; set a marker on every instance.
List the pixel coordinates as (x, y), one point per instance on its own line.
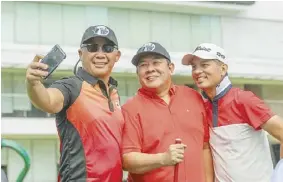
(107, 48)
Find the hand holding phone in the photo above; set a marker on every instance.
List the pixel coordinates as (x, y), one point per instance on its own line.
(43, 66)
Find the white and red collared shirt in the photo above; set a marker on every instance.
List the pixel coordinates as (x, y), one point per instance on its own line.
(278, 172)
(240, 148)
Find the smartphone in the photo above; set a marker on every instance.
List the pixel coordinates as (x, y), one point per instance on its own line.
(53, 59)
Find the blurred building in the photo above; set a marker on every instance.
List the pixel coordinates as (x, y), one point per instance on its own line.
(250, 32)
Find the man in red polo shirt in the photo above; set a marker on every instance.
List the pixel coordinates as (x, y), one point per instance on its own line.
(156, 116)
(238, 119)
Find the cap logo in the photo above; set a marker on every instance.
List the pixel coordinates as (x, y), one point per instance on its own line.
(148, 47)
(220, 55)
(199, 48)
(101, 30)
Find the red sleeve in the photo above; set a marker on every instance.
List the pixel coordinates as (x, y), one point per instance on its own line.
(205, 120)
(132, 134)
(254, 110)
(206, 127)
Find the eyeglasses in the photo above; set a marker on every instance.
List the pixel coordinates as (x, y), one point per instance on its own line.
(107, 48)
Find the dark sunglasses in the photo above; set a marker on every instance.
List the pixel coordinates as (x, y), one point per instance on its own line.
(108, 48)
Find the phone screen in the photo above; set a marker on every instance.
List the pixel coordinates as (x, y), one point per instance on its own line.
(53, 59)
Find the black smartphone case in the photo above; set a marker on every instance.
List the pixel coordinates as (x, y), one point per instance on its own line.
(53, 59)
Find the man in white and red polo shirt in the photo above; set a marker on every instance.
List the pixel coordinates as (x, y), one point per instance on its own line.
(238, 142)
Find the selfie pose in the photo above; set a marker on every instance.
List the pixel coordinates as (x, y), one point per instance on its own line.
(88, 117)
(237, 119)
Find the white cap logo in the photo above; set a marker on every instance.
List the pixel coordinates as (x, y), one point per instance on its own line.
(101, 30)
(221, 56)
(148, 47)
(202, 48)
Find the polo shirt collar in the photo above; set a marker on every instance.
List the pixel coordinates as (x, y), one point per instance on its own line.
(221, 89)
(91, 79)
(151, 94)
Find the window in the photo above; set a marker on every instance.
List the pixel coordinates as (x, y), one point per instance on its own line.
(7, 22)
(6, 98)
(27, 15)
(122, 90)
(256, 89)
(175, 31)
(15, 101)
(127, 88)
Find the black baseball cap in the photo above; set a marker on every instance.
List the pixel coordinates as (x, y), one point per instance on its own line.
(150, 48)
(99, 31)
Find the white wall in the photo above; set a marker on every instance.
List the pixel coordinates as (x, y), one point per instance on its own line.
(253, 38)
(267, 10)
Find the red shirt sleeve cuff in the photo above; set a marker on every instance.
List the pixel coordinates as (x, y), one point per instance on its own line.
(131, 149)
(263, 120)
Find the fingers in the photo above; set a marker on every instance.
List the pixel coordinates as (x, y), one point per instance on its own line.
(178, 146)
(177, 158)
(35, 75)
(31, 78)
(37, 65)
(36, 70)
(176, 153)
(179, 153)
(37, 58)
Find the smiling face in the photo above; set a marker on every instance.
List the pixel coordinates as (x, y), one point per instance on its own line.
(99, 56)
(207, 74)
(154, 71)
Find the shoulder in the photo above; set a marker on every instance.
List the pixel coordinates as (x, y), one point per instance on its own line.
(69, 80)
(243, 96)
(132, 104)
(72, 83)
(187, 91)
(70, 87)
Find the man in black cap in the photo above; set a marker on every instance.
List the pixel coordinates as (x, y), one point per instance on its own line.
(160, 113)
(88, 115)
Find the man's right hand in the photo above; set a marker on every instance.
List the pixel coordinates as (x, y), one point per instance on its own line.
(49, 100)
(174, 154)
(35, 71)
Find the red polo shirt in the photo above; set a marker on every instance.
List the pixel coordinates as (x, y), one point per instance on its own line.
(151, 126)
